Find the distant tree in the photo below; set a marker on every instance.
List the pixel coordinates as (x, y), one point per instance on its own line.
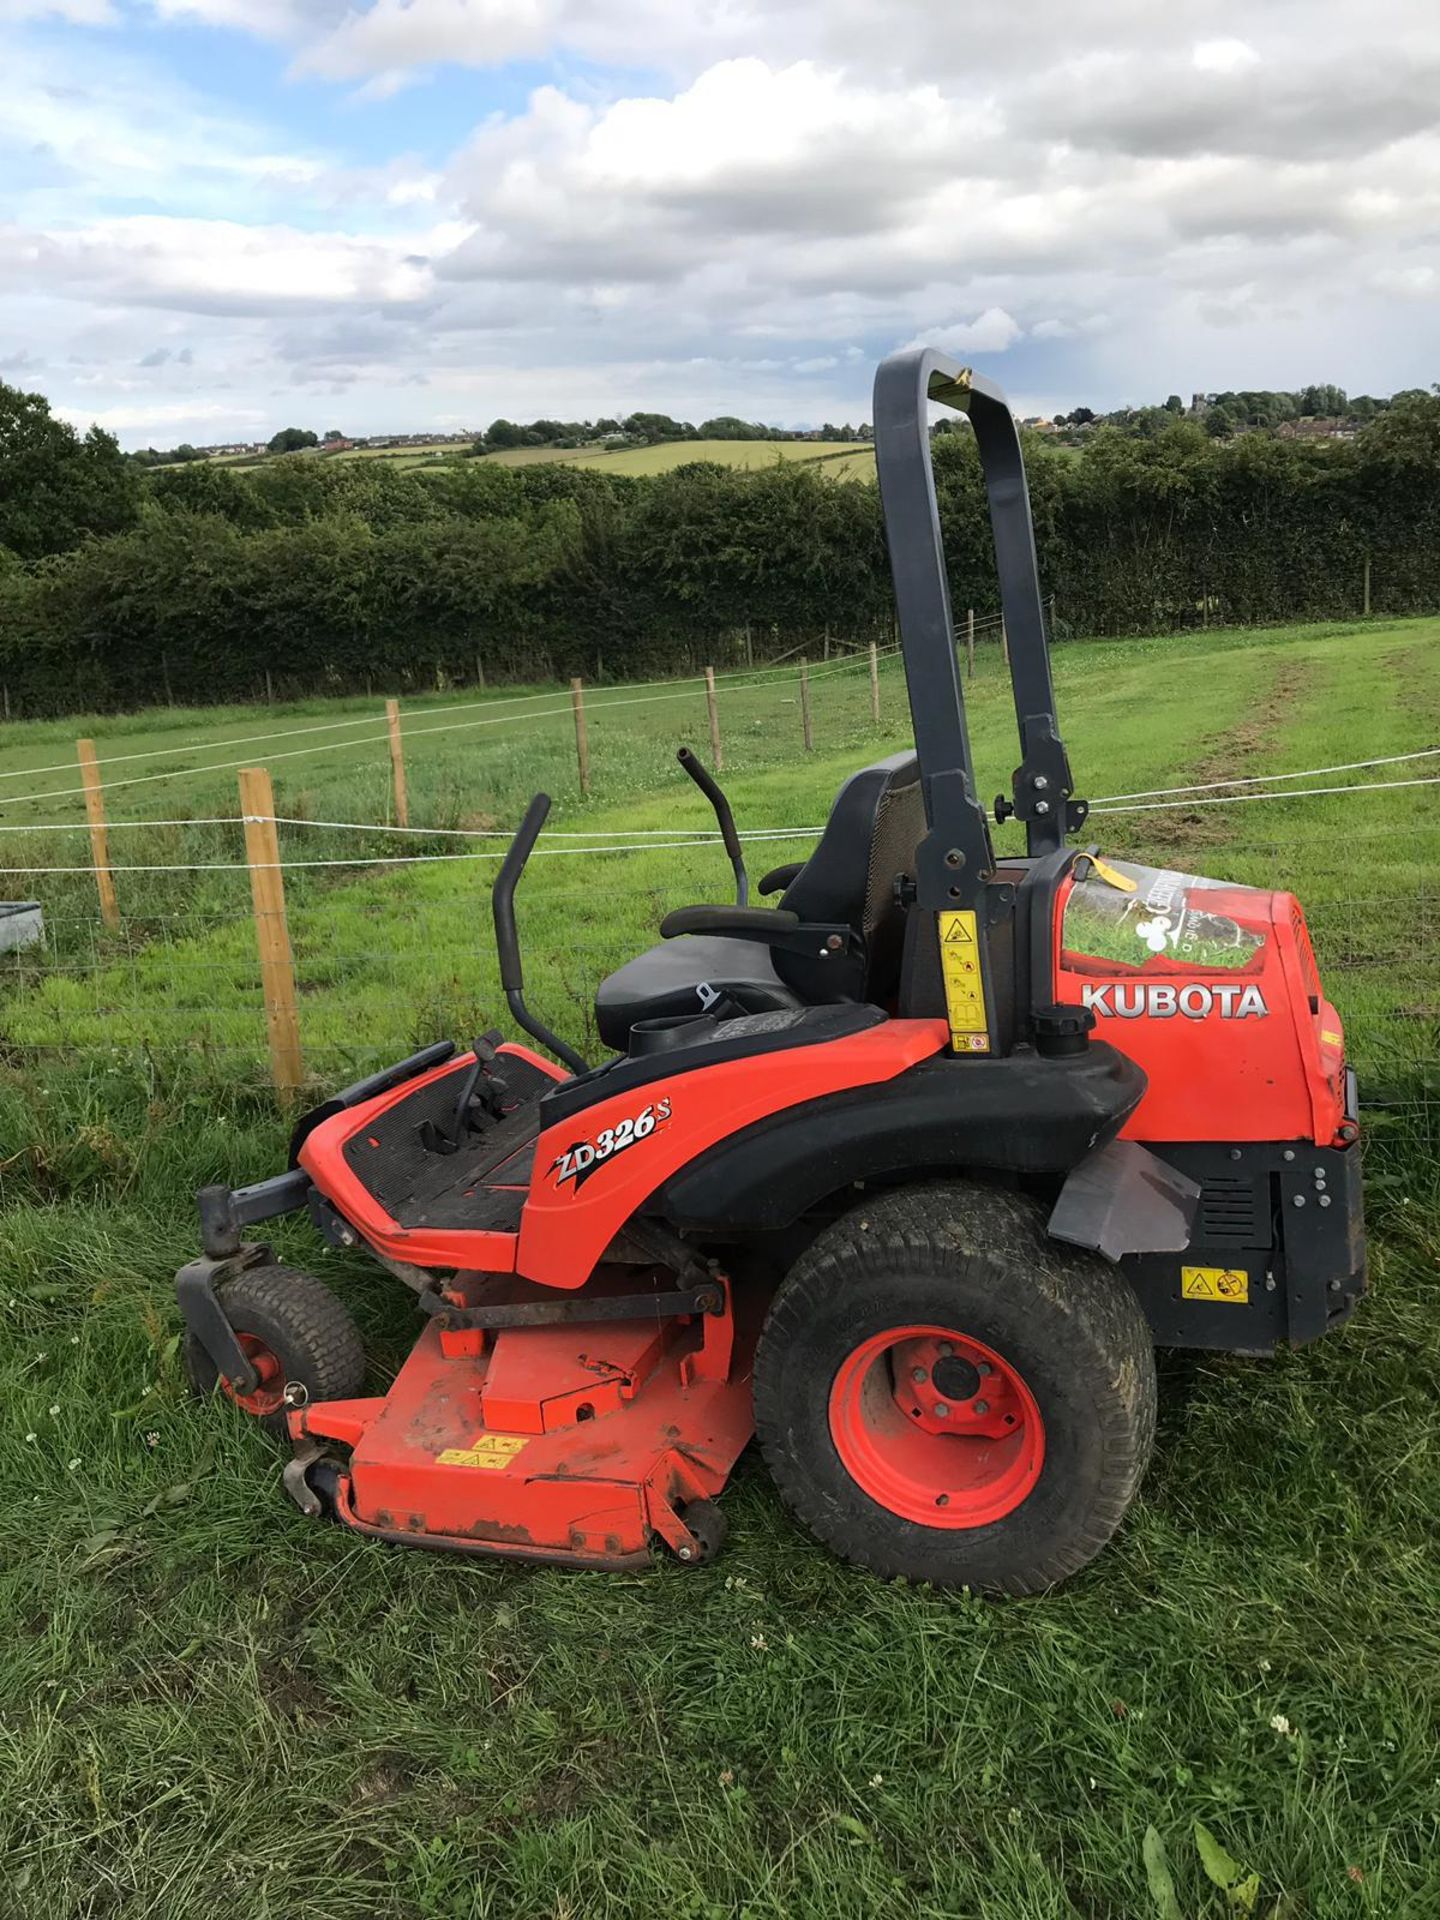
(501, 434)
(332, 434)
(55, 487)
(1174, 404)
(1407, 434)
(726, 426)
(654, 427)
(1321, 402)
(1080, 417)
(293, 439)
(166, 457)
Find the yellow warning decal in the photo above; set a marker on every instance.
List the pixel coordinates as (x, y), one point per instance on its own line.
(1226, 1286)
(492, 1452)
(964, 984)
(1332, 1039)
(1112, 875)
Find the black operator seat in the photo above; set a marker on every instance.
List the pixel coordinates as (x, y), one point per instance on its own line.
(874, 827)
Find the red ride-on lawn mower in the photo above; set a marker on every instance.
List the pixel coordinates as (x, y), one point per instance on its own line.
(905, 1175)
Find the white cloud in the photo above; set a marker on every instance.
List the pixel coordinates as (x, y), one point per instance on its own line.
(1411, 283)
(993, 331)
(393, 35)
(186, 413)
(216, 266)
(79, 13)
(1224, 56)
(1140, 196)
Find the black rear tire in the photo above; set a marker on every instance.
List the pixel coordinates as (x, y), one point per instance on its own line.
(297, 1319)
(977, 1260)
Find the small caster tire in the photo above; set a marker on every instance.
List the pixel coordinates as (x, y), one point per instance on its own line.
(708, 1524)
(294, 1331)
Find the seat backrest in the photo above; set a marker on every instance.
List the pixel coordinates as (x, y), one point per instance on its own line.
(875, 825)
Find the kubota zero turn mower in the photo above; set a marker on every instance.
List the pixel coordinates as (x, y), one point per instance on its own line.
(905, 1175)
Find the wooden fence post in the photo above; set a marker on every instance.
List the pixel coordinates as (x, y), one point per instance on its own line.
(582, 741)
(717, 753)
(479, 671)
(875, 683)
(99, 837)
(272, 934)
(1004, 641)
(805, 705)
(1365, 602)
(269, 688)
(397, 764)
(970, 643)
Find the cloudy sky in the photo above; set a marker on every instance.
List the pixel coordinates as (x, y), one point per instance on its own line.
(219, 217)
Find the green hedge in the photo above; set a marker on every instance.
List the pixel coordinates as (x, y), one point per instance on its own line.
(337, 575)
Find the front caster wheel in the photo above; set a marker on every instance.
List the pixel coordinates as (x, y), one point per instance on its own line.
(708, 1525)
(293, 1330)
(944, 1393)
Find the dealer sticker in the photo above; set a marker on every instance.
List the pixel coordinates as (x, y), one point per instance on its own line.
(1224, 1286)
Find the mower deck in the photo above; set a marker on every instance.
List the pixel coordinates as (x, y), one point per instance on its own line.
(578, 1442)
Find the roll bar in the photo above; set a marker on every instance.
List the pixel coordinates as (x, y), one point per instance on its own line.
(959, 853)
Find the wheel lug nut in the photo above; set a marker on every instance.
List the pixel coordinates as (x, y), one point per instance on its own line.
(917, 1373)
(982, 1406)
(982, 1367)
(945, 1351)
(942, 1412)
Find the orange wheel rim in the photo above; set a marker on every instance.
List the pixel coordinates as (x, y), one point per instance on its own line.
(936, 1427)
(269, 1393)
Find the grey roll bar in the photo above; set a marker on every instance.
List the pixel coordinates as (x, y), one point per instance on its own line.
(1042, 784)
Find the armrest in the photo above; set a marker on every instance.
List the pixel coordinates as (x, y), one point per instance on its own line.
(779, 878)
(732, 923)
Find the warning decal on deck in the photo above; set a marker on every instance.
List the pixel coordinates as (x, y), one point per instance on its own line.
(492, 1452)
(964, 985)
(1225, 1286)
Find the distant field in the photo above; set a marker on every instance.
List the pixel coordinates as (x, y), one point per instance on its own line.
(843, 459)
(838, 459)
(422, 450)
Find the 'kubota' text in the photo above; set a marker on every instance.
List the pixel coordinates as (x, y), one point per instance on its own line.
(1163, 999)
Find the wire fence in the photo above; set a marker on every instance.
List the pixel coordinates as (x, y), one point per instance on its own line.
(385, 951)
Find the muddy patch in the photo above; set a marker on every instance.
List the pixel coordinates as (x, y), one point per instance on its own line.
(1245, 749)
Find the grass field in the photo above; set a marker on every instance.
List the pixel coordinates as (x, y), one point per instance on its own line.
(207, 1702)
(840, 459)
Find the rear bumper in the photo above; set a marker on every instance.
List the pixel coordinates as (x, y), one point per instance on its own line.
(1277, 1249)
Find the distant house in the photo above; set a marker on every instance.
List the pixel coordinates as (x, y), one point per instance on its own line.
(1317, 428)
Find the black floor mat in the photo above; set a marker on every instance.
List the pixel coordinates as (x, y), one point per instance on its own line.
(483, 1184)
